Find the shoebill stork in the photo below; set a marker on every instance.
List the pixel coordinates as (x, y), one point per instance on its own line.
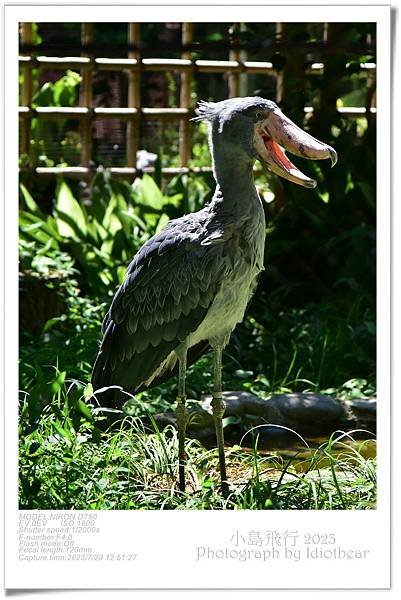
(188, 287)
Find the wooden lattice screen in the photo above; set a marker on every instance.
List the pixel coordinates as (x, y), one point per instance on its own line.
(134, 113)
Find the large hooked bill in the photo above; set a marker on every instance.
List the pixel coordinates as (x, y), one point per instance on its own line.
(278, 130)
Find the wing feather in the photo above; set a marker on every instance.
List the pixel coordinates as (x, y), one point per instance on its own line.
(165, 296)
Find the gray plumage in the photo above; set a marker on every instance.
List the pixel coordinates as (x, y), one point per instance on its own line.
(193, 266)
(189, 285)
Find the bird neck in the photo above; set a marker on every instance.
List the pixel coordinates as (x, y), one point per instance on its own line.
(235, 189)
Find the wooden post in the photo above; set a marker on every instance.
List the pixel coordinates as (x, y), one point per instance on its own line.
(26, 38)
(86, 97)
(370, 101)
(234, 78)
(279, 73)
(185, 97)
(134, 96)
(291, 78)
(325, 114)
(243, 76)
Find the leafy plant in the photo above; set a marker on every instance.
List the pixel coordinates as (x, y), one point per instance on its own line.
(55, 319)
(68, 462)
(43, 150)
(104, 235)
(63, 92)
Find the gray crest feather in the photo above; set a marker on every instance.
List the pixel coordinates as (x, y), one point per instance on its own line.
(205, 111)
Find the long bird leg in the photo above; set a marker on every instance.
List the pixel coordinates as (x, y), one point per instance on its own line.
(218, 407)
(182, 419)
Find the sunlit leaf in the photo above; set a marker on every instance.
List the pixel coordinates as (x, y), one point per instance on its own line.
(85, 410)
(58, 381)
(148, 192)
(164, 219)
(61, 431)
(29, 201)
(88, 391)
(121, 271)
(71, 219)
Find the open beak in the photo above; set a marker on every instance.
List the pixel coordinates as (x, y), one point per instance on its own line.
(278, 130)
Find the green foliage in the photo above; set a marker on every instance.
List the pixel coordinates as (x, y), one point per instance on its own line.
(318, 346)
(68, 462)
(103, 236)
(70, 263)
(55, 142)
(57, 322)
(311, 325)
(63, 92)
(326, 341)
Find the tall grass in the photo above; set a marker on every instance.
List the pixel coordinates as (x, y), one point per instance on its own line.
(68, 462)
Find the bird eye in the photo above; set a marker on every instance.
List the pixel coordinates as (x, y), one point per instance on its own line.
(258, 115)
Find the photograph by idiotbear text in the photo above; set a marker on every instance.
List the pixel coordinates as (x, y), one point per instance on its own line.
(197, 265)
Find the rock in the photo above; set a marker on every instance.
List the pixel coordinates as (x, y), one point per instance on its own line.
(308, 415)
(272, 437)
(367, 407)
(163, 419)
(307, 407)
(311, 415)
(242, 403)
(283, 409)
(200, 422)
(363, 413)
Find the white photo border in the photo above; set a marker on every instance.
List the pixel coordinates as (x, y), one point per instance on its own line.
(180, 532)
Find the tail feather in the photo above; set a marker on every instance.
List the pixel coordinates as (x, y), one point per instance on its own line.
(125, 374)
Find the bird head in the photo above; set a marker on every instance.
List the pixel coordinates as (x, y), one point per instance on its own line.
(255, 128)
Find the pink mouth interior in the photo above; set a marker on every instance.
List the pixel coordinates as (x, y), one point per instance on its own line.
(277, 153)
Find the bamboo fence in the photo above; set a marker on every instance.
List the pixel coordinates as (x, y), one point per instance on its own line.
(236, 67)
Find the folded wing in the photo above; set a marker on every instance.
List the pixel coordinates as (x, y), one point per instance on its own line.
(169, 287)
